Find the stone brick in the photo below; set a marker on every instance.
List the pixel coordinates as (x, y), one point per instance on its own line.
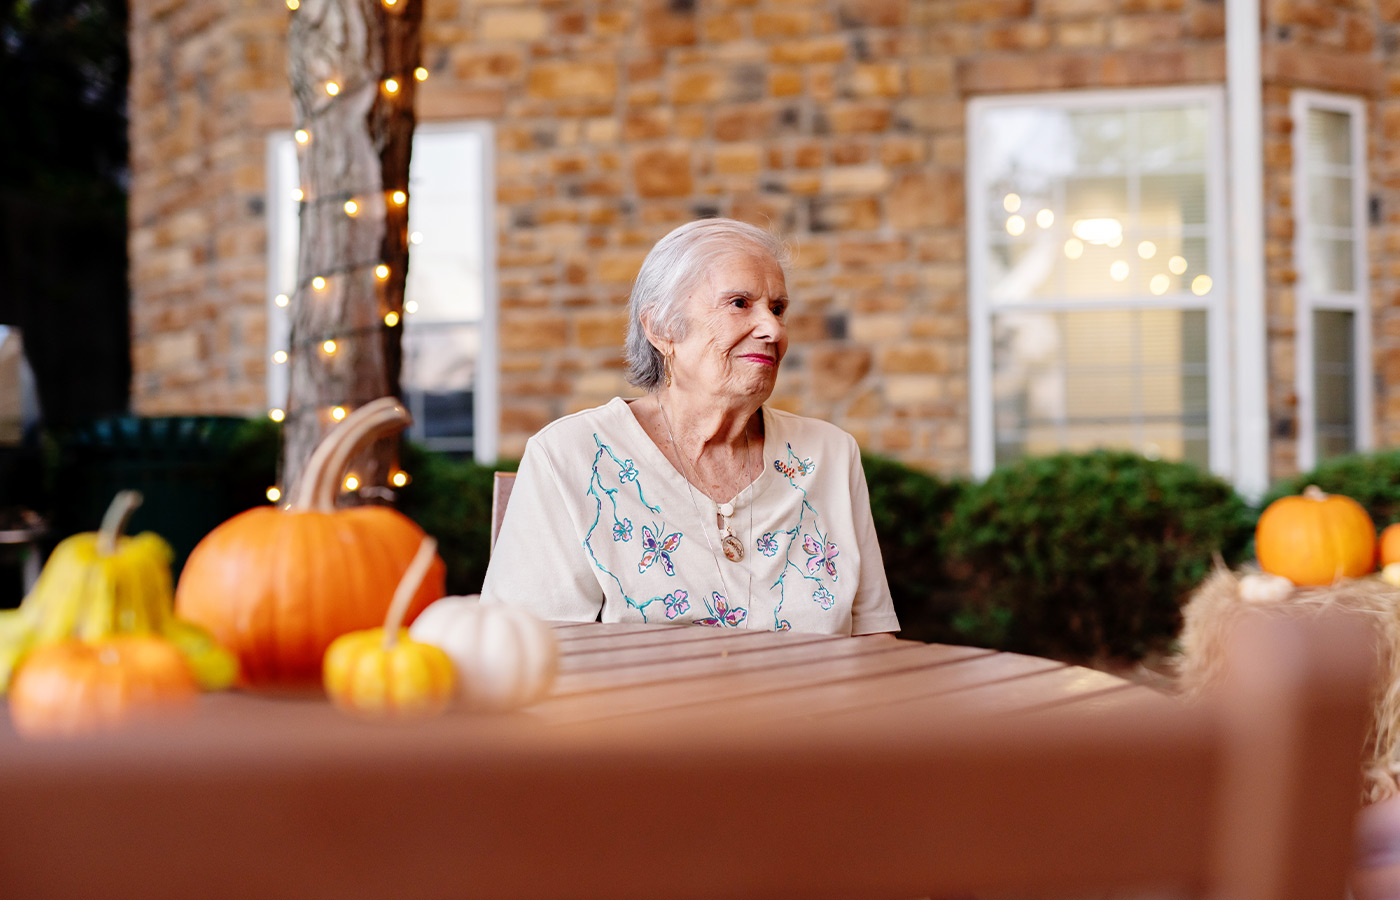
(781, 24)
(873, 13)
(601, 329)
(506, 24)
(661, 28)
(738, 159)
(744, 123)
(851, 118)
(855, 179)
(785, 82)
(662, 173)
(924, 357)
(573, 80)
(857, 254)
(924, 200)
(697, 86)
(836, 371)
(877, 80)
(813, 50)
(1139, 31)
(1018, 36)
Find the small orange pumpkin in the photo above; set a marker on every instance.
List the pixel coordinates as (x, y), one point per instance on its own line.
(1390, 545)
(1315, 538)
(278, 586)
(380, 672)
(82, 687)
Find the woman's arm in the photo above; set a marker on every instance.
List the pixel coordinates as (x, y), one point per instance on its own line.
(872, 610)
(539, 563)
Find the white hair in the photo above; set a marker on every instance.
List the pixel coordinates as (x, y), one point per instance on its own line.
(673, 268)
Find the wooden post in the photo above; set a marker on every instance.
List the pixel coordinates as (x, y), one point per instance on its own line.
(352, 65)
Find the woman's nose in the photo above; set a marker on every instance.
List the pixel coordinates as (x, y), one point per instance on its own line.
(768, 326)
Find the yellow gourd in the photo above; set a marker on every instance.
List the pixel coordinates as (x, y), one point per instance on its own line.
(379, 672)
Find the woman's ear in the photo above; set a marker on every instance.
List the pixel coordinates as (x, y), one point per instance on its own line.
(663, 346)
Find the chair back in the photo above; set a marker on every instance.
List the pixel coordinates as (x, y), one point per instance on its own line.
(501, 487)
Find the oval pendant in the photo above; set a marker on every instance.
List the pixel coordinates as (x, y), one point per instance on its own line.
(733, 550)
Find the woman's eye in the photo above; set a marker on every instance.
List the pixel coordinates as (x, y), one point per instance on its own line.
(779, 309)
(739, 302)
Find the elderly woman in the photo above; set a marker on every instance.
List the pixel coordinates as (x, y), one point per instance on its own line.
(696, 503)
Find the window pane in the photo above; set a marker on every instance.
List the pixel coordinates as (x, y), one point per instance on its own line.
(1331, 266)
(1170, 201)
(1329, 201)
(1334, 367)
(1329, 137)
(1130, 378)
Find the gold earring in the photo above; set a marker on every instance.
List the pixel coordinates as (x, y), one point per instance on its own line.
(666, 365)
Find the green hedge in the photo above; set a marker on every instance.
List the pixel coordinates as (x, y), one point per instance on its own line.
(1371, 479)
(1084, 556)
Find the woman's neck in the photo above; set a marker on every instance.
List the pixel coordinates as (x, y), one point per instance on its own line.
(699, 424)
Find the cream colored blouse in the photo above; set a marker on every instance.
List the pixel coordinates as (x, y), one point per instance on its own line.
(602, 526)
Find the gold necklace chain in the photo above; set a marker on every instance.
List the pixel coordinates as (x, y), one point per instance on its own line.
(704, 529)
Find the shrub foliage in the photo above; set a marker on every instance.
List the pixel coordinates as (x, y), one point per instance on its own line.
(1371, 479)
(1083, 556)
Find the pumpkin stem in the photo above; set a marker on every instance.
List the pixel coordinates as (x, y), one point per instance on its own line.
(1313, 492)
(408, 586)
(115, 519)
(320, 483)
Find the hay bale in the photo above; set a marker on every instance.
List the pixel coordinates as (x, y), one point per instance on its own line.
(1218, 604)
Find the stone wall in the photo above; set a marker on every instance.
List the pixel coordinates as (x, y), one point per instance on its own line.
(839, 123)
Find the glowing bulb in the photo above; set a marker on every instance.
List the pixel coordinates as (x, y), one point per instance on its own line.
(416, 237)
(1011, 202)
(1015, 226)
(293, 5)
(318, 283)
(1097, 231)
(272, 493)
(391, 85)
(420, 73)
(332, 88)
(351, 207)
(1118, 271)
(390, 2)
(1147, 249)
(400, 198)
(1177, 264)
(381, 271)
(1116, 241)
(302, 135)
(338, 413)
(400, 479)
(391, 319)
(276, 415)
(1045, 218)
(329, 347)
(1159, 284)
(1074, 248)
(411, 307)
(279, 357)
(298, 195)
(1201, 285)
(282, 300)
(351, 482)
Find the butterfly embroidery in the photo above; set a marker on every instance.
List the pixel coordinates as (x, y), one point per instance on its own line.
(819, 555)
(721, 616)
(654, 550)
(676, 604)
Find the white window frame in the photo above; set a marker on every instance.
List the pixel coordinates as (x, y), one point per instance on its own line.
(1357, 302)
(981, 309)
(486, 386)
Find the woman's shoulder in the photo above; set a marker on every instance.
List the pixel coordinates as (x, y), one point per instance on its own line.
(566, 432)
(805, 429)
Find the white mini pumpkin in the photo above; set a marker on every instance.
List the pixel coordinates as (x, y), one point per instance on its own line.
(505, 657)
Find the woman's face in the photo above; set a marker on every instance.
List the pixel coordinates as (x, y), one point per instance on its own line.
(736, 336)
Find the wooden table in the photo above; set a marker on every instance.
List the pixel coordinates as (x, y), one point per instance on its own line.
(669, 761)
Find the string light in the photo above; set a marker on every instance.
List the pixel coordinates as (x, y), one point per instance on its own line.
(329, 348)
(282, 300)
(391, 319)
(411, 307)
(293, 5)
(390, 2)
(279, 357)
(351, 207)
(391, 85)
(302, 136)
(381, 271)
(337, 413)
(318, 283)
(273, 494)
(400, 479)
(416, 237)
(399, 198)
(276, 415)
(332, 88)
(298, 195)
(420, 73)
(351, 483)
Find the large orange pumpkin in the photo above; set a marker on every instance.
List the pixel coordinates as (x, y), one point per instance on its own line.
(1315, 538)
(277, 586)
(1390, 545)
(82, 687)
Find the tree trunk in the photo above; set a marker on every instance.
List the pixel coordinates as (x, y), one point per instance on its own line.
(354, 143)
